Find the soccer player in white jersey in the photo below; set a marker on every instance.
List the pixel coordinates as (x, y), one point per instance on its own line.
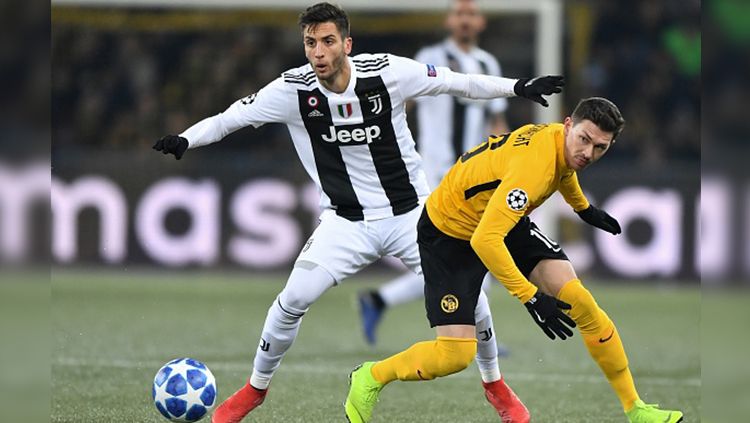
(347, 122)
(448, 127)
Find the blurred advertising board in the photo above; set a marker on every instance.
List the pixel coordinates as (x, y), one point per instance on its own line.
(215, 210)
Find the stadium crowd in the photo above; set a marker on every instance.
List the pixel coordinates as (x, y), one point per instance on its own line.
(120, 89)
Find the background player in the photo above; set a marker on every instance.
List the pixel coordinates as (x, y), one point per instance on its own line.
(448, 126)
(347, 121)
(477, 220)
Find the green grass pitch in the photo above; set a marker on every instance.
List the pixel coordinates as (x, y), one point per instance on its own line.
(112, 332)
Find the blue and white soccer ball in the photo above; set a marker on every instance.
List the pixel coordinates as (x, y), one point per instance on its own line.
(184, 390)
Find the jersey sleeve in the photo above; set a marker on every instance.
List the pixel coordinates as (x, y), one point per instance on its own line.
(424, 55)
(416, 79)
(498, 105)
(266, 106)
(572, 192)
(506, 207)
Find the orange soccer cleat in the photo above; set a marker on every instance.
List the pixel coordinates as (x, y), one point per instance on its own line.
(236, 407)
(508, 406)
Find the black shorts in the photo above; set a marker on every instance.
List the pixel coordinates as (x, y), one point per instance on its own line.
(453, 272)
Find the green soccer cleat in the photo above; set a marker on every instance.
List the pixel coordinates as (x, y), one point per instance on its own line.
(650, 413)
(363, 394)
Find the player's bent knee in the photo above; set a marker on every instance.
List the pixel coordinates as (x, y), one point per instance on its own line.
(295, 302)
(454, 354)
(584, 309)
(306, 284)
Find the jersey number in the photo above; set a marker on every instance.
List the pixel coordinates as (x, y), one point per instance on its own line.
(496, 143)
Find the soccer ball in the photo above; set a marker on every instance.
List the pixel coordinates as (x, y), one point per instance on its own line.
(184, 390)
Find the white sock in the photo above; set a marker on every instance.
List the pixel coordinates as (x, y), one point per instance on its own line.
(260, 381)
(279, 332)
(486, 359)
(406, 288)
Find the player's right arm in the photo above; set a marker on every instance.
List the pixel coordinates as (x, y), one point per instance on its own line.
(266, 106)
(502, 213)
(488, 240)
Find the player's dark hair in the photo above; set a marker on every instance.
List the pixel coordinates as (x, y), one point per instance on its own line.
(322, 13)
(602, 112)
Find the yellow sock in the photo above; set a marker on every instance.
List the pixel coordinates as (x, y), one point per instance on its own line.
(427, 360)
(602, 340)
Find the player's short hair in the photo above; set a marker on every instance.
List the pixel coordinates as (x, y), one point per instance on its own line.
(602, 112)
(322, 13)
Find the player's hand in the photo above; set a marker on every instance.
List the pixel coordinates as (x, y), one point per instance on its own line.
(601, 219)
(172, 144)
(547, 312)
(535, 88)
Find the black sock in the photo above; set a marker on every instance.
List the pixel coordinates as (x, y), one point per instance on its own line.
(377, 300)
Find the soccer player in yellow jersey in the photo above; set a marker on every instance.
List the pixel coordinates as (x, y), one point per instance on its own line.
(477, 220)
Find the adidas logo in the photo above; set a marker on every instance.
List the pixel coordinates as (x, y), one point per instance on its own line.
(315, 113)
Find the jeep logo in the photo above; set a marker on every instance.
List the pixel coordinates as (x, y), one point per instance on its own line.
(358, 135)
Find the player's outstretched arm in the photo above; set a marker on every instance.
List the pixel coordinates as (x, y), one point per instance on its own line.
(533, 89)
(172, 144)
(601, 219)
(270, 104)
(419, 79)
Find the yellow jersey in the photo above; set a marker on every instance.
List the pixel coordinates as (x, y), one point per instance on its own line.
(492, 186)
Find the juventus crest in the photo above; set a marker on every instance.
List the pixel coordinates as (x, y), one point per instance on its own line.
(376, 103)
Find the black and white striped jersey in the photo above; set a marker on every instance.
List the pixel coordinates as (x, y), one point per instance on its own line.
(355, 145)
(449, 126)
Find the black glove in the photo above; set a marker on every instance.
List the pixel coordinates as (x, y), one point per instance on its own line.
(547, 313)
(172, 144)
(600, 219)
(535, 88)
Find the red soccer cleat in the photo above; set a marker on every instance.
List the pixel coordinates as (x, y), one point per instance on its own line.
(508, 406)
(236, 407)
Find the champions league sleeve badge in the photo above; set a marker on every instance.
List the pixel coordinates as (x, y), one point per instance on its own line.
(249, 99)
(431, 71)
(517, 199)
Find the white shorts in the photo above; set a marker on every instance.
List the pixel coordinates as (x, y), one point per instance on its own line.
(343, 247)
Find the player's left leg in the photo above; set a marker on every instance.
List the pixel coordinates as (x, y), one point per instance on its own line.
(306, 284)
(557, 277)
(337, 249)
(401, 243)
(422, 361)
(453, 276)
